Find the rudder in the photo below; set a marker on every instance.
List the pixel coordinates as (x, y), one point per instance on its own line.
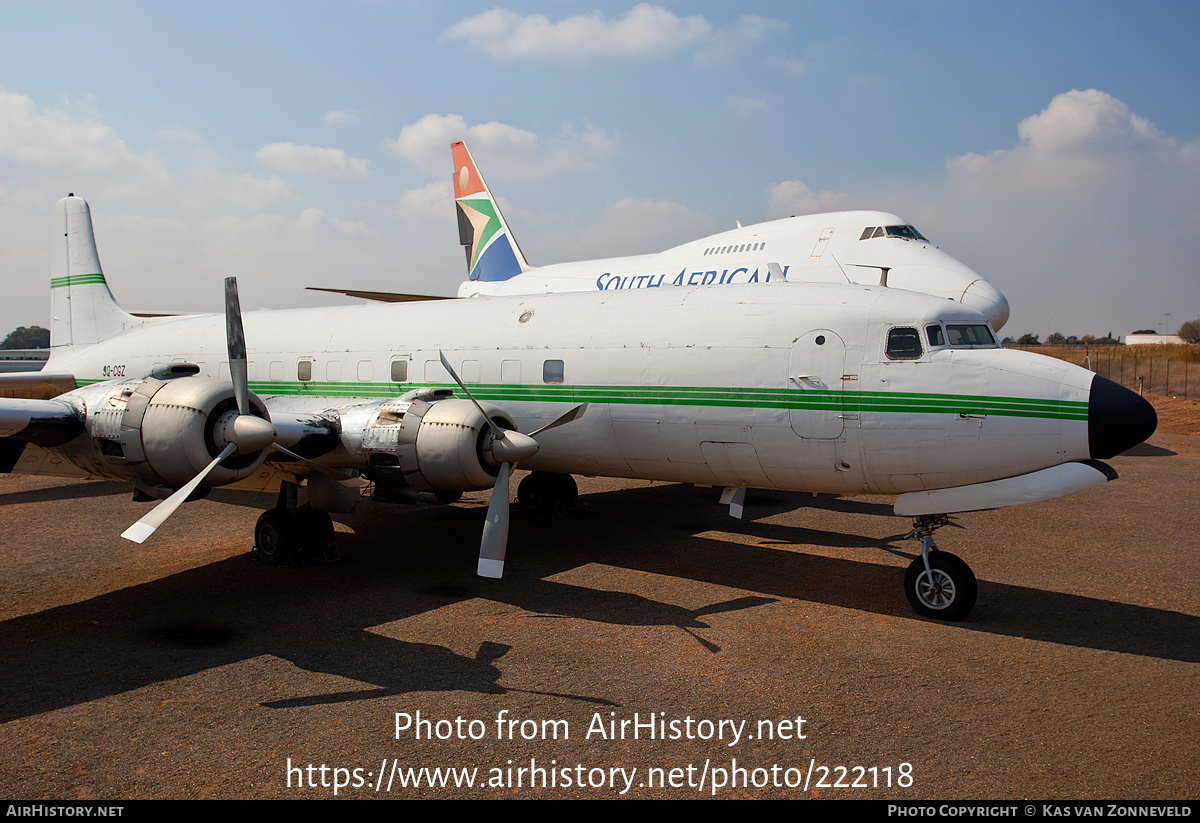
(492, 251)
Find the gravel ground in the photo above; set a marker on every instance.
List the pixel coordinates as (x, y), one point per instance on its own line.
(181, 668)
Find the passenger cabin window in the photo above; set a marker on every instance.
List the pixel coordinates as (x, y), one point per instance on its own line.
(399, 371)
(933, 335)
(304, 370)
(552, 371)
(903, 344)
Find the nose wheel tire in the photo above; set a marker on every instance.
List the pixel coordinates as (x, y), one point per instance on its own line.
(945, 591)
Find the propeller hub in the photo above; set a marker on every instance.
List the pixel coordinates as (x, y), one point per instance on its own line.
(246, 431)
(513, 447)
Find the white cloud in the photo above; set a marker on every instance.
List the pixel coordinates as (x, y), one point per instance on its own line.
(179, 134)
(511, 152)
(342, 116)
(731, 42)
(316, 224)
(746, 106)
(433, 203)
(254, 193)
(54, 138)
(626, 226)
(311, 160)
(1088, 223)
(645, 31)
(792, 197)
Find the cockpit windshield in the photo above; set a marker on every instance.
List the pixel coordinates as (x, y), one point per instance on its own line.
(961, 336)
(903, 232)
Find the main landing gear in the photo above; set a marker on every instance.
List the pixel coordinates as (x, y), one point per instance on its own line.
(288, 534)
(545, 492)
(938, 584)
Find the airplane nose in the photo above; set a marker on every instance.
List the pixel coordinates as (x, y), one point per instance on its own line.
(988, 301)
(1118, 419)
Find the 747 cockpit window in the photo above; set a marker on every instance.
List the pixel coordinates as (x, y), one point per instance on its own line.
(903, 344)
(904, 232)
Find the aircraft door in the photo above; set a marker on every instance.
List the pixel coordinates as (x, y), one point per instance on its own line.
(815, 385)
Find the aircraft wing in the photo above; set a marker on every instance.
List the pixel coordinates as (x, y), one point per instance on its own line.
(31, 383)
(26, 425)
(383, 296)
(46, 422)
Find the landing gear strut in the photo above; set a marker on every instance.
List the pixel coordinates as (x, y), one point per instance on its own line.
(288, 534)
(938, 584)
(544, 492)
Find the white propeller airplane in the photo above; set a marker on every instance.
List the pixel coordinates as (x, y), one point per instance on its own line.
(864, 247)
(818, 387)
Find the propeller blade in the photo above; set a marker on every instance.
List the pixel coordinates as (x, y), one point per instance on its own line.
(496, 430)
(495, 530)
(573, 414)
(145, 527)
(235, 340)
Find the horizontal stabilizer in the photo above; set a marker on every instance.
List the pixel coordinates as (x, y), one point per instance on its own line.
(383, 296)
(1034, 487)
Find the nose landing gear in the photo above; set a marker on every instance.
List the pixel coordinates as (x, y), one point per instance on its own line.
(938, 584)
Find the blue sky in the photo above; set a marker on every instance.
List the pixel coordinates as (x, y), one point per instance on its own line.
(1053, 147)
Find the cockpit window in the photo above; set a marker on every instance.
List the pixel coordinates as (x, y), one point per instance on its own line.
(970, 336)
(904, 232)
(903, 344)
(934, 335)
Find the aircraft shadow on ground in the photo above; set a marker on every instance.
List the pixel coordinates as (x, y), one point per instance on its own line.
(1148, 450)
(66, 491)
(317, 617)
(1003, 609)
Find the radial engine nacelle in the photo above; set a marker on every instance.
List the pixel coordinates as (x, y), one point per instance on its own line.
(161, 431)
(431, 443)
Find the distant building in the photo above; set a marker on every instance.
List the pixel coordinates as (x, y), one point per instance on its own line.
(1142, 339)
(23, 359)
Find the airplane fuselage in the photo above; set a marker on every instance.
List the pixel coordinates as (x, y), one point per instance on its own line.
(820, 248)
(785, 386)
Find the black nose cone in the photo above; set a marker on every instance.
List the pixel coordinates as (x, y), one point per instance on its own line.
(1118, 419)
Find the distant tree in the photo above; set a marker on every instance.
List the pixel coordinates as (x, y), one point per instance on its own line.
(1028, 340)
(34, 337)
(1146, 331)
(1056, 337)
(1190, 331)
(1087, 339)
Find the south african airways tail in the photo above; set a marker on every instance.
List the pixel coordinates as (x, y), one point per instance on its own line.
(492, 252)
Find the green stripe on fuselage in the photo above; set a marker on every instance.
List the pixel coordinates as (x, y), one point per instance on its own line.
(763, 398)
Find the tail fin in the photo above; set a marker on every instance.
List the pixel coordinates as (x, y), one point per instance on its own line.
(492, 252)
(82, 309)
